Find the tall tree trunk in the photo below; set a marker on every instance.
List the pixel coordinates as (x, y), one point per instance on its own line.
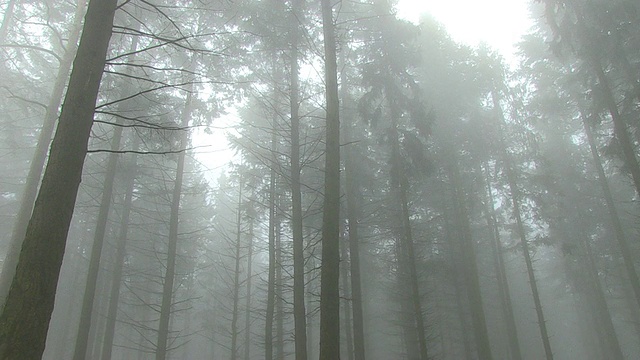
(330, 267)
(84, 327)
(167, 290)
(503, 283)
(116, 278)
(407, 246)
(40, 154)
(347, 299)
(469, 263)
(352, 194)
(299, 311)
(279, 292)
(236, 277)
(247, 320)
(271, 285)
(616, 224)
(27, 312)
(515, 199)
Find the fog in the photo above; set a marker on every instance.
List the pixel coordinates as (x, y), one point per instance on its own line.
(266, 179)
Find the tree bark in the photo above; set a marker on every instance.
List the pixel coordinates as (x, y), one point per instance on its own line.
(352, 195)
(236, 277)
(271, 286)
(347, 298)
(116, 279)
(299, 311)
(330, 267)
(247, 320)
(40, 154)
(167, 290)
(27, 312)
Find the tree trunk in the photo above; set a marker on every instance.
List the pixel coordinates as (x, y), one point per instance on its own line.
(40, 154)
(352, 195)
(26, 314)
(236, 277)
(347, 299)
(167, 290)
(279, 293)
(469, 263)
(503, 283)
(330, 267)
(271, 285)
(406, 246)
(116, 279)
(515, 199)
(616, 224)
(247, 320)
(299, 311)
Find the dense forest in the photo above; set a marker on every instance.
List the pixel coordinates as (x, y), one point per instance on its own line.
(385, 191)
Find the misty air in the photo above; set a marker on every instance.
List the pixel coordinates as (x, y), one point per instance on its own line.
(319, 179)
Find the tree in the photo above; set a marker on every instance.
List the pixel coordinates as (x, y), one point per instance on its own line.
(27, 311)
(330, 268)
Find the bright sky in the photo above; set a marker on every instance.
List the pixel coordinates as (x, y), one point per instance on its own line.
(499, 23)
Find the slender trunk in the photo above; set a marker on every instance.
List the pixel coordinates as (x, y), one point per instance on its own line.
(515, 199)
(236, 278)
(330, 267)
(407, 246)
(346, 291)
(451, 250)
(271, 286)
(247, 320)
(503, 283)
(616, 224)
(167, 290)
(299, 311)
(470, 266)
(352, 195)
(116, 279)
(279, 293)
(27, 312)
(40, 154)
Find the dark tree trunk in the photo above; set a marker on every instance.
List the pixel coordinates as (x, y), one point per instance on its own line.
(406, 246)
(40, 154)
(299, 311)
(346, 291)
(116, 278)
(236, 277)
(271, 285)
(352, 194)
(279, 293)
(469, 263)
(503, 283)
(330, 267)
(247, 320)
(27, 312)
(167, 290)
